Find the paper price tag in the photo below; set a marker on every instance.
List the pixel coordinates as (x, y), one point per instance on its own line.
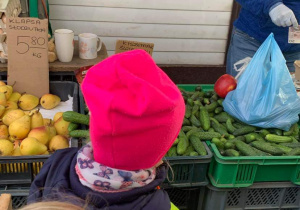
(294, 35)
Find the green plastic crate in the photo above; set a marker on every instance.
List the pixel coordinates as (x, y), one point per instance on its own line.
(205, 88)
(228, 172)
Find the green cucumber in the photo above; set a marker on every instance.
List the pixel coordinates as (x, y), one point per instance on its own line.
(223, 117)
(188, 111)
(198, 145)
(229, 126)
(198, 88)
(245, 149)
(261, 153)
(175, 142)
(238, 138)
(195, 121)
(190, 102)
(75, 117)
(220, 101)
(207, 135)
(194, 153)
(294, 152)
(211, 107)
(219, 144)
(218, 128)
(250, 137)
(291, 145)
(219, 110)
(283, 148)
(204, 119)
(186, 122)
(187, 128)
(278, 139)
(244, 130)
(267, 147)
(189, 150)
(182, 145)
(79, 133)
(72, 126)
(264, 132)
(172, 152)
(195, 109)
(290, 132)
(229, 145)
(232, 153)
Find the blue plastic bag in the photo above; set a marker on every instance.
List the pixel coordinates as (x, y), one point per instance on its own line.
(265, 95)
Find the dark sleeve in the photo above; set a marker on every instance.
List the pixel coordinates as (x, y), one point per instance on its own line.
(38, 184)
(258, 7)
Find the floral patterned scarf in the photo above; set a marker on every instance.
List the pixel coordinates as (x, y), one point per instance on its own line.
(102, 178)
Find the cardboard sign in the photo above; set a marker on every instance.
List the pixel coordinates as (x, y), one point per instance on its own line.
(124, 45)
(27, 40)
(297, 69)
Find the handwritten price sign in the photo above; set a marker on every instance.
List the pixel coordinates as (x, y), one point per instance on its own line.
(27, 41)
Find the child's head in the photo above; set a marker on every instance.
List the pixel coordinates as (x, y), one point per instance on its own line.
(51, 205)
(136, 111)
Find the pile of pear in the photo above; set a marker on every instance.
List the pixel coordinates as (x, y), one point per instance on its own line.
(23, 130)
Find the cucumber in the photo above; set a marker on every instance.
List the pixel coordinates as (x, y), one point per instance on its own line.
(181, 134)
(198, 88)
(291, 145)
(223, 117)
(204, 119)
(278, 139)
(276, 131)
(207, 135)
(266, 147)
(250, 137)
(211, 130)
(192, 131)
(261, 153)
(206, 101)
(237, 125)
(223, 140)
(229, 145)
(182, 145)
(232, 153)
(189, 150)
(238, 138)
(208, 94)
(187, 128)
(294, 152)
(72, 126)
(244, 130)
(198, 145)
(245, 149)
(229, 126)
(283, 148)
(188, 111)
(220, 101)
(217, 127)
(211, 114)
(74, 117)
(194, 153)
(79, 133)
(195, 121)
(172, 152)
(290, 132)
(190, 102)
(218, 110)
(264, 132)
(231, 136)
(195, 109)
(195, 95)
(175, 142)
(219, 144)
(186, 122)
(294, 140)
(214, 97)
(258, 137)
(211, 107)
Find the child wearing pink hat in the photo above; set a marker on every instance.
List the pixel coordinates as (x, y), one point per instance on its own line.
(136, 113)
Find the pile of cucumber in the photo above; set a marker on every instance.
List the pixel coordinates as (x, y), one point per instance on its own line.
(76, 119)
(205, 120)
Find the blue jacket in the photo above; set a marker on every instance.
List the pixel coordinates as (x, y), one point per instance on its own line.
(254, 20)
(58, 180)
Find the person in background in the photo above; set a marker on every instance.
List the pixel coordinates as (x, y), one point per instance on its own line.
(257, 19)
(136, 113)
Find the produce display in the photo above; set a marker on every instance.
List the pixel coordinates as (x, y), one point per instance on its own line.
(23, 130)
(205, 120)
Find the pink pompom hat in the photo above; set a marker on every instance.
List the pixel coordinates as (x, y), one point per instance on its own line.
(136, 111)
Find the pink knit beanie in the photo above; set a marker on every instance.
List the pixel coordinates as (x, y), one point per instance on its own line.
(136, 111)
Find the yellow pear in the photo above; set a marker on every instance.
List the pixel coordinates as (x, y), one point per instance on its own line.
(46, 153)
(6, 147)
(58, 142)
(49, 101)
(47, 121)
(31, 146)
(17, 151)
(2, 83)
(20, 128)
(3, 132)
(7, 90)
(57, 116)
(11, 105)
(36, 119)
(41, 134)
(12, 115)
(2, 99)
(28, 102)
(15, 96)
(2, 110)
(61, 127)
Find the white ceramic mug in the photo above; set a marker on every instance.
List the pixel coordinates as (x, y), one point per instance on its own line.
(89, 45)
(64, 43)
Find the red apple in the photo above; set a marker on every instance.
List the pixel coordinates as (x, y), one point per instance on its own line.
(224, 85)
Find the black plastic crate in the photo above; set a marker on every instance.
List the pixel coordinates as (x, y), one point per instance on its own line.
(23, 169)
(188, 198)
(265, 195)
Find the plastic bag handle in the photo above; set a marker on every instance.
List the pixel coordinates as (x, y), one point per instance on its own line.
(244, 62)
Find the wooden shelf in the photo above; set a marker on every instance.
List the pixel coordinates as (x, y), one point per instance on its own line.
(76, 63)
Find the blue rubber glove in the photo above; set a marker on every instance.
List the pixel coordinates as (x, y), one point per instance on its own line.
(283, 16)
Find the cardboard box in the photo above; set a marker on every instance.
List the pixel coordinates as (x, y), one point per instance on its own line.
(297, 69)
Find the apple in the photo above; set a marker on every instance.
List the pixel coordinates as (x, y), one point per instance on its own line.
(224, 85)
